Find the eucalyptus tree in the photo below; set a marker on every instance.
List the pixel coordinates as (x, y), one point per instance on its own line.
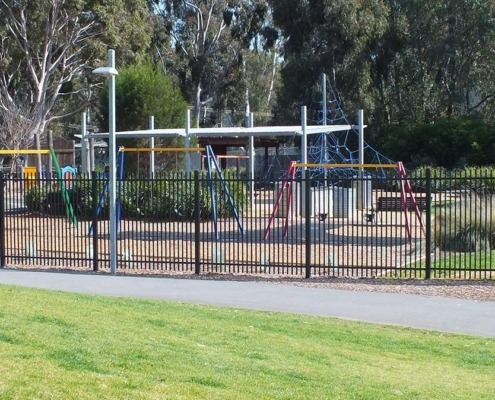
(402, 60)
(262, 80)
(15, 132)
(208, 37)
(252, 87)
(435, 59)
(48, 46)
(333, 36)
(448, 57)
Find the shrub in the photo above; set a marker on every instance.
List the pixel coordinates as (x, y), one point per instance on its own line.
(48, 199)
(449, 142)
(166, 198)
(35, 197)
(476, 179)
(171, 197)
(467, 225)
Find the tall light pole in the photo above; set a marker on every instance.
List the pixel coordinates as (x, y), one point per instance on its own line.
(110, 72)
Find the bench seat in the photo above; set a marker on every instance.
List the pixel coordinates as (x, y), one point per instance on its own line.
(394, 203)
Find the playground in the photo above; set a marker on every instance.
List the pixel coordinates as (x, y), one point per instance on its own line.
(360, 228)
(336, 242)
(326, 213)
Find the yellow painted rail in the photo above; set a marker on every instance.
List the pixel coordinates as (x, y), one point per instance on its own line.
(307, 165)
(14, 152)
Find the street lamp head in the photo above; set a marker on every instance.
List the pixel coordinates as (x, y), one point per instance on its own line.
(106, 71)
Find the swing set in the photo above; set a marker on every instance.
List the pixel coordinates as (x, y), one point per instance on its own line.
(407, 196)
(212, 166)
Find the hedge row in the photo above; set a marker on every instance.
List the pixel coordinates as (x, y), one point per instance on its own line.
(161, 199)
(477, 179)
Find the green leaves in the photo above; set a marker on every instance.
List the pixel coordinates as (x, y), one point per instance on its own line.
(208, 38)
(143, 91)
(402, 61)
(448, 142)
(336, 37)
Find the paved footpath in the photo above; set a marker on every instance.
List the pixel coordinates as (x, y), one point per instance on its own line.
(434, 313)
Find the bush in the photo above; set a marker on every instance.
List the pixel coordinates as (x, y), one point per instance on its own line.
(35, 197)
(476, 179)
(467, 225)
(49, 199)
(171, 197)
(166, 198)
(450, 142)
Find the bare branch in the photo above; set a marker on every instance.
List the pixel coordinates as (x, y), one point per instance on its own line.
(52, 56)
(16, 129)
(482, 101)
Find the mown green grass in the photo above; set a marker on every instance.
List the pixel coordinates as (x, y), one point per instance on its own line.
(482, 260)
(477, 265)
(66, 346)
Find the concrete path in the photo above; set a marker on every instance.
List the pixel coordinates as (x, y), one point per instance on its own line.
(434, 313)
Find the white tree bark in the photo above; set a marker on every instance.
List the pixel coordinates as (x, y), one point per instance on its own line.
(207, 39)
(51, 57)
(247, 104)
(274, 70)
(197, 104)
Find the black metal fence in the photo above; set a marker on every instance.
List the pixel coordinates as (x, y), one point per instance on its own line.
(196, 225)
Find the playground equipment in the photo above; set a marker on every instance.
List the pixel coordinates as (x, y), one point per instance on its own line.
(250, 132)
(335, 147)
(101, 200)
(62, 180)
(407, 195)
(304, 130)
(62, 175)
(212, 160)
(212, 166)
(286, 186)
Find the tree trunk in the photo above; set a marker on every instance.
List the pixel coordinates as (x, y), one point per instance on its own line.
(246, 95)
(274, 72)
(37, 139)
(197, 104)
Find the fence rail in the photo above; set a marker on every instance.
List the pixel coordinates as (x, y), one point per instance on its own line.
(305, 228)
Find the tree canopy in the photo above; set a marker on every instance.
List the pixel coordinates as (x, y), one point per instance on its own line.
(401, 60)
(208, 37)
(450, 142)
(142, 91)
(47, 48)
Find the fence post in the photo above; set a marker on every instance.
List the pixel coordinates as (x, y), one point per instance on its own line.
(2, 219)
(307, 214)
(197, 226)
(428, 225)
(94, 189)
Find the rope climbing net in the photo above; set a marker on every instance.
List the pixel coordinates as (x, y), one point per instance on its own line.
(338, 147)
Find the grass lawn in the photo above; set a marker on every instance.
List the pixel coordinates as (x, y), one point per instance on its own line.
(67, 346)
(482, 260)
(474, 265)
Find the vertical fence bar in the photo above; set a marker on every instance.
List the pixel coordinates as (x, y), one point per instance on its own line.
(197, 226)
(307, 214)
(94, 189)
(428, 232)
(2, 219)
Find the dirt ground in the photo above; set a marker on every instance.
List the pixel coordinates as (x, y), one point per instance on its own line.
(336, 243)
